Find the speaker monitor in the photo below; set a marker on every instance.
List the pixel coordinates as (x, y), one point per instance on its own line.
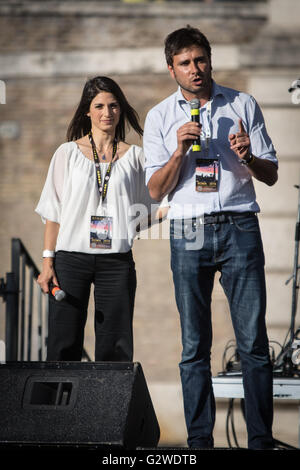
(76, 403)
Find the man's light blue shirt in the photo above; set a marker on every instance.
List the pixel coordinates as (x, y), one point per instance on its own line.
(235, 187)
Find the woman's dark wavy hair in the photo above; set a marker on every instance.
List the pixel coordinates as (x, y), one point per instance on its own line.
(182, 38)
(80, 124)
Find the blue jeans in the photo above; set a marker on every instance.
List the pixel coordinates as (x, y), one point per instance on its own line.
(235, 249)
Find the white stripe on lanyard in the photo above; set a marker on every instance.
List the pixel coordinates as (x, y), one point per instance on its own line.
(206, 134)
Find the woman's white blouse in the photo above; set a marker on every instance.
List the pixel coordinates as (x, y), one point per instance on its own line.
(71, 196)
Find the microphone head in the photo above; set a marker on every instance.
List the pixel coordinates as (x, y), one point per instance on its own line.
(194, 103)
(59, 295)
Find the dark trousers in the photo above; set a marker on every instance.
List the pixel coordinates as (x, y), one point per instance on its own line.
(114, 279)
(234, 249)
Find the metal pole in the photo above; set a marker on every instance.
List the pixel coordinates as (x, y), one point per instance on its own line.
(29, 331)
(40, 326)
(295, 276)
(45, 344)
(15, 266)
(11, 315)
(23, 293)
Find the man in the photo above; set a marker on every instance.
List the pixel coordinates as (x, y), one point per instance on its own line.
(235, 147)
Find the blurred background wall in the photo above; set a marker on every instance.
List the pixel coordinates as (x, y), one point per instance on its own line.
(48, 49)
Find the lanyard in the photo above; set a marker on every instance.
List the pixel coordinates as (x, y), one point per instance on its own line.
(102, 187)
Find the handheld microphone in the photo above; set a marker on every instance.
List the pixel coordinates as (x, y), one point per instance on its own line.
(57, 293)
(195, 117)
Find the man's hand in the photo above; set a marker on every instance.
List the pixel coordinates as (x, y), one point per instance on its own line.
(186, 134)
(240, 142)
(164, 180)
(261, 168)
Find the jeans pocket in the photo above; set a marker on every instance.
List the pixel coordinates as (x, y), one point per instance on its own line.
(246, 224)
(187, 234)
(176, 229)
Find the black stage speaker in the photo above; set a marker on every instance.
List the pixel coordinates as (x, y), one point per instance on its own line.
(76, 404)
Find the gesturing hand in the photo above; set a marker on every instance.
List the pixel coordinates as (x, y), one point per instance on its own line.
(240, 142)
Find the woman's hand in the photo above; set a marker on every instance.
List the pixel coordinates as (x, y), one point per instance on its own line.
(47, 276)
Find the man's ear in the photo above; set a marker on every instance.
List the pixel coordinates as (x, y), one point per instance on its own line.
(170, 68)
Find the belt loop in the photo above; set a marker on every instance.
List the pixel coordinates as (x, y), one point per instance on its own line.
(230, 219)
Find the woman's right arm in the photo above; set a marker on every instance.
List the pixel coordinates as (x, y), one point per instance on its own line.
(48, 275)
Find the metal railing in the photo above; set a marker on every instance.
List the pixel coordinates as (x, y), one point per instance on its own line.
(26, 310)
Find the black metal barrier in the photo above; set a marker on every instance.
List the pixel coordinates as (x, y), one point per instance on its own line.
(26, 312)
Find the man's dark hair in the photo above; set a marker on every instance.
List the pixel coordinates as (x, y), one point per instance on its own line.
(182, 38)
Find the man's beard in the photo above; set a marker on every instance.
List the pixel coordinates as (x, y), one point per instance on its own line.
(198, 89)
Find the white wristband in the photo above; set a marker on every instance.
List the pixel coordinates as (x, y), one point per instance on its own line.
(48, 254)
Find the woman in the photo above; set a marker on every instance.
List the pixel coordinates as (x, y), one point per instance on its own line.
(92, 182)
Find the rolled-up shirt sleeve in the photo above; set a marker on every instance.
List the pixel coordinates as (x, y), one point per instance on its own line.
(143, 195)
(261, 144)
(49, 205)
(156, 154)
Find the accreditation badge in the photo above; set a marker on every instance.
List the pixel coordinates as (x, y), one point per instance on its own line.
(207, 174)
(101, 232)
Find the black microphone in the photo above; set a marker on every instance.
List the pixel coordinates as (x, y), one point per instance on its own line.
(57, 293)
(195, 117)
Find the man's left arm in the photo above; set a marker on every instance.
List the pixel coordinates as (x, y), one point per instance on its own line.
(261, 168)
